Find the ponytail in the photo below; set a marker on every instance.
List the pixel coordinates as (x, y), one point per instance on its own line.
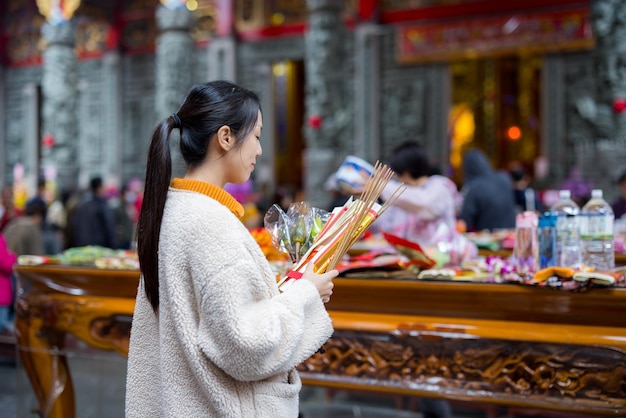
(158, 177)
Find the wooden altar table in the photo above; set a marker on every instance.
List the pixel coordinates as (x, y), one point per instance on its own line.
(503, 344)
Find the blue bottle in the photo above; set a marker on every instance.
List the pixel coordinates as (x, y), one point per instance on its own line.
(547, 237)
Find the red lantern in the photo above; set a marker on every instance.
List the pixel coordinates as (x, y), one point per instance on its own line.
(619, 105)
(315, 121)
(47, 141)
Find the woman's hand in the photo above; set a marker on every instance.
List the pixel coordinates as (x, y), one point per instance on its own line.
(323, 282)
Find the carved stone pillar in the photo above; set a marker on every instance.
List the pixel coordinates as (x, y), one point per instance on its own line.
(31, 102)
(60, 100)
(222, 65)
(597, 94)
(174, 58)
(113, 81)
(367, 91)
(606, 111)
(329, 113)
(174, 65)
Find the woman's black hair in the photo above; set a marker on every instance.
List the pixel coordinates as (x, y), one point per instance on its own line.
(207, 108)
(410, 157)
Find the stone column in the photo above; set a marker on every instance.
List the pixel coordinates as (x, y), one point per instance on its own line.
(222, 63)
(174, 68)
(113, 89)
(606, 111)
(30, 147)
(367, 91)
(60, 100)
(328, 111)
(600, 104)
(174, 58)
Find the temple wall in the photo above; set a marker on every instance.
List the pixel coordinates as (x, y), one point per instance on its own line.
(373, 103)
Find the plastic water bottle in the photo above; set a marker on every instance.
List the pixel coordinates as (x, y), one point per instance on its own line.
(571, 243)
(547, 240)
(596, 229)
(526, 248)
(568, 239)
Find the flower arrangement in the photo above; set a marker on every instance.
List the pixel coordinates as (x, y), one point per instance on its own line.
(293, 232)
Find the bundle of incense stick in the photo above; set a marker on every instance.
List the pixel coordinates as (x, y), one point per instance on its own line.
(345, 225)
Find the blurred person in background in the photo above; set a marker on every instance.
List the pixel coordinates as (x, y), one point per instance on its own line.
(51, 242)
(425, 212)
(348, 181)
(134, 198)
(124, 227)
(57, 218)
(8, 211)
(7, 292)
(339, 194)
(92, 221)
(40, 193)
(487, 199)
(526, 198)
(429, 201)
(73, 200)
(579, 187)
(24, 234)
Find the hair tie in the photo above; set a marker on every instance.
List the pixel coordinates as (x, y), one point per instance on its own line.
(177, 122)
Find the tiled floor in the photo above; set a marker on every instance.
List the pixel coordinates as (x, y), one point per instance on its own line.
(99, 382)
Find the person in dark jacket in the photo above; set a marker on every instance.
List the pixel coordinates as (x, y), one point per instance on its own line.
(487, 199)
(92, 220)
(524, 196)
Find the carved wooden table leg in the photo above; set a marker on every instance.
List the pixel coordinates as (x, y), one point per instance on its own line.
(43, 320)
(41, 350)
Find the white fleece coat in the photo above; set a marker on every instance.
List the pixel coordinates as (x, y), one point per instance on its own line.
(225, 342)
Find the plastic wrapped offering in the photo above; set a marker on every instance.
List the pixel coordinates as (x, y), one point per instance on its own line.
(293, 232)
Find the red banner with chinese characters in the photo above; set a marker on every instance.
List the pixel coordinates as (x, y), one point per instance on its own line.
(542, 32)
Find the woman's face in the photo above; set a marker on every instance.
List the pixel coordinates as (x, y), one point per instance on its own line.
(244, 157)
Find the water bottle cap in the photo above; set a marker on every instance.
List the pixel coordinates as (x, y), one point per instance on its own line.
(596, 194)
(565, 194)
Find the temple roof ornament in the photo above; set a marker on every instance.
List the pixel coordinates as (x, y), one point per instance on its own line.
(57, 12)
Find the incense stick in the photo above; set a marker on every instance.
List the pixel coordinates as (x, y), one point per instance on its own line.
(374, 186)
(346, 225)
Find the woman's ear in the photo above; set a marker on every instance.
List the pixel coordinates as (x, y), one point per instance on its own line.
(225, 138)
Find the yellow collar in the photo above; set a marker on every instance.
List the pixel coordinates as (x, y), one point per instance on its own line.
(210, 190)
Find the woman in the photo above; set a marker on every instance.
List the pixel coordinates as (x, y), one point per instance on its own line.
(211, 334)
(427, 208)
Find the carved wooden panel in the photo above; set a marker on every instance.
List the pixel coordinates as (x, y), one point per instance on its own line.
(516, 372)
